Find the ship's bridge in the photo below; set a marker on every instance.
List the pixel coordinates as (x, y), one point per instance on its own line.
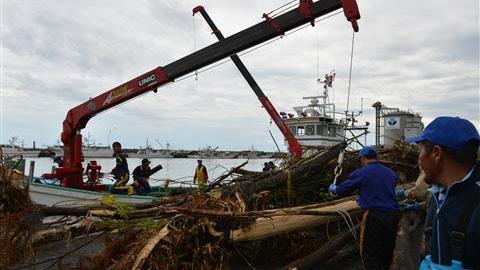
(315, 124)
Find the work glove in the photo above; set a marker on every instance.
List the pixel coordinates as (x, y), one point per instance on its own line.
(332, 189)
(405, 207)
(400, 193)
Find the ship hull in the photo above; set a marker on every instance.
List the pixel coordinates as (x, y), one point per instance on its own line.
(50, 195)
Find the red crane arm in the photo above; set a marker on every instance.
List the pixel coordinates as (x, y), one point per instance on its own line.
(78, 117)
(294, 147)
(71, 173)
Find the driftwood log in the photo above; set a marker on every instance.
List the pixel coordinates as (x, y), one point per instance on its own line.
(323, 254)
(225, 176)
(147, 249)
(273, 225)
(349, 252)
(302, 171)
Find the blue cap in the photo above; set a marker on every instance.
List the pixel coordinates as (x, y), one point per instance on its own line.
(368, 151)
(452, 132)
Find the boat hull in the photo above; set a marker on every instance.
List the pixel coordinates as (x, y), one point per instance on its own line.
(50, 195)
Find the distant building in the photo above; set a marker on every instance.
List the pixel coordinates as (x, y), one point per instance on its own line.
(393, 124)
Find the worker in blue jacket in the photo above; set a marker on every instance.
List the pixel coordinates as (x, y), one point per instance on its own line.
(376, 185)
(448, 155)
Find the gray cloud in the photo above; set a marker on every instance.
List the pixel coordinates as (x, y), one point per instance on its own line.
(57, 54)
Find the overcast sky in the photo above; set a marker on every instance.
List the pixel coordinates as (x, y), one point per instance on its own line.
(418, 55)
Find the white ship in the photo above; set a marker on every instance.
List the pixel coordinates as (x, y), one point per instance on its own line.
(149, 152)
(316, 124)
(13, 151)
(15, 148)
(97, 152)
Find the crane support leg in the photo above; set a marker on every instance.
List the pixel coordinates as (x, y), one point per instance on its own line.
(294, 147)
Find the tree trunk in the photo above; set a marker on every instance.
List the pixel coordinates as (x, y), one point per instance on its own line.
(323, 254)
(299, 172)
(274, 225)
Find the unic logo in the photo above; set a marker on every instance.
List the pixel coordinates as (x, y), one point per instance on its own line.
(147, 80)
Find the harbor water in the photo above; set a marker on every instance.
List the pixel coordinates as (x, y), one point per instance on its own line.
(177, 169)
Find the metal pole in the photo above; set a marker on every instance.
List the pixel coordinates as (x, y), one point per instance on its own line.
(30, 172)
(378, 107)
(109, 133)
(377, 126)
(366, 133)
(278, 148)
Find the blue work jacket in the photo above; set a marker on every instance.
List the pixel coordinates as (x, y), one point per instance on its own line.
(376, 185)
(447, 213)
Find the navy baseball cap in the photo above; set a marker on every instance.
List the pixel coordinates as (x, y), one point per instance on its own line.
(368, 151)
(452, 132)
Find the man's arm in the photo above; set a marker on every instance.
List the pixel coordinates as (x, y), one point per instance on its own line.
(116, 162)
(352, 183)
(135, 172)
(120, 162)
(124, 163)
(195, 176)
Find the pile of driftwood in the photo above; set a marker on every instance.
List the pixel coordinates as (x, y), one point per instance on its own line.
(283, 218)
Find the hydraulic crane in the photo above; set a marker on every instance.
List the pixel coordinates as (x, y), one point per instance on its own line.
(294, 147)
(71, 174)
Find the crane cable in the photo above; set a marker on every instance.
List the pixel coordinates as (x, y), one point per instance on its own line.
(254, 48)
(292, 6)
(284, 5)
(350, 72)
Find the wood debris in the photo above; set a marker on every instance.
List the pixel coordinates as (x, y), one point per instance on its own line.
(245, 219)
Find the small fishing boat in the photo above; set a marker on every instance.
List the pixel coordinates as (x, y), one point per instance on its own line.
(54, 195)
(48, 192)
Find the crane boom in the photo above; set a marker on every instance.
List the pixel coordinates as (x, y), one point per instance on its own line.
(294, 147)
(70, 174)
